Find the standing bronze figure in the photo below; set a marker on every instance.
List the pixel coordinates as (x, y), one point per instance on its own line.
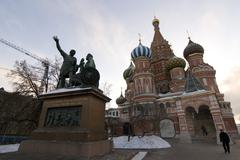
(69, 66)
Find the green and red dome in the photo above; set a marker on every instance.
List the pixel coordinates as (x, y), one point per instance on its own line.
(175, 62)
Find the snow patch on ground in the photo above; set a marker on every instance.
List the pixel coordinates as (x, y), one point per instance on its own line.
(9, 148)
(146, 142)
(62, 90)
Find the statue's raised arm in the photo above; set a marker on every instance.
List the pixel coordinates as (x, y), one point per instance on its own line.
(69, 66)
(59, 47)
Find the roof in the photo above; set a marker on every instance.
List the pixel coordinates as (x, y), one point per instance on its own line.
(192, 83)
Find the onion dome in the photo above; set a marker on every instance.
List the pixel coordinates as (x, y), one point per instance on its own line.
(128, 72)
(121, 99)
(192, 48)
(155, 20)
(175, 62)
(141, 51)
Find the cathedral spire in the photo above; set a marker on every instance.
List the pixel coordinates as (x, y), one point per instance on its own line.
(158, 38)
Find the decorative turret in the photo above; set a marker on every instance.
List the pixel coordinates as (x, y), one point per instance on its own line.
(176, 66)
(144, 87)
(201, 70)
(193, 53)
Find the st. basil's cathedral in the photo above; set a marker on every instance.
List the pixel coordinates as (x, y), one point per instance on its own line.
(164, 98)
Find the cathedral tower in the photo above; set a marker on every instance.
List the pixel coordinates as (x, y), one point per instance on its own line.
(176, 67)
(142, 77)
(161, 53)
(193, 53)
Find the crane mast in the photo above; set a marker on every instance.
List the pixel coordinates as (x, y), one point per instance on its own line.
(45, 62)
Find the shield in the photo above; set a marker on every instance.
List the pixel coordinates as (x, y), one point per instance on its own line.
(90, 76)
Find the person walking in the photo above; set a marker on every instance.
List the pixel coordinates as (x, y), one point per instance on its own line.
(224, 138)
(204, 130)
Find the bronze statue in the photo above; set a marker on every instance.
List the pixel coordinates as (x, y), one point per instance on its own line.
(88, 75)
(90, 61)
(69, 66)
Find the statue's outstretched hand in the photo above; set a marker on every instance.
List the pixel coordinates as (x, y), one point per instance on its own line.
(55, 38)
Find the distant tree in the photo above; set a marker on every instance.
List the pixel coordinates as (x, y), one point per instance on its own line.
(54, 73)
(28, 79)
(106, 88)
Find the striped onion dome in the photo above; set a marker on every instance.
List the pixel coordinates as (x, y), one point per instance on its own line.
(141, 51)
(175, 62)
(128, 72)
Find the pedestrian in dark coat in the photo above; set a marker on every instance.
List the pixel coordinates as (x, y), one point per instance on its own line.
(224, 138)
(204, 130)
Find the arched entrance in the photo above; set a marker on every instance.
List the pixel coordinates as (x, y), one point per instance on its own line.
(204, 125)
(200, 124)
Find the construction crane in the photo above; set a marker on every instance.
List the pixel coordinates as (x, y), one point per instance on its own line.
(45, 62)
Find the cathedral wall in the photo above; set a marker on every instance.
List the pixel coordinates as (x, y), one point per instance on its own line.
(195, 102)
(230, 125)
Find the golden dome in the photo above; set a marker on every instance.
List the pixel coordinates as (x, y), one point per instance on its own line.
(155, 20)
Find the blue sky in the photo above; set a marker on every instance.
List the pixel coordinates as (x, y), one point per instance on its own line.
(109, 30)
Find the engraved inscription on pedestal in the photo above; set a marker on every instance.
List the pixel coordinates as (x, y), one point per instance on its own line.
(63, 117)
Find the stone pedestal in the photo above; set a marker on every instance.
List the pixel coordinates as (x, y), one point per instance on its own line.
(71, 123)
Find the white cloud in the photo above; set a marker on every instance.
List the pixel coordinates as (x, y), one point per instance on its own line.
(230, 87)
(100, 33)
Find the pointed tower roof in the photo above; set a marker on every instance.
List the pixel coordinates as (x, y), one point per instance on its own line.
(158, 38)
(192, 83)
(159, 46)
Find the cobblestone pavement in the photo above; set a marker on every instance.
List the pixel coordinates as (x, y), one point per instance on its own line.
(195, 151)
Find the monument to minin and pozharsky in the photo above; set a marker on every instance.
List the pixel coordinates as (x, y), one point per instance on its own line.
(72, 116)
